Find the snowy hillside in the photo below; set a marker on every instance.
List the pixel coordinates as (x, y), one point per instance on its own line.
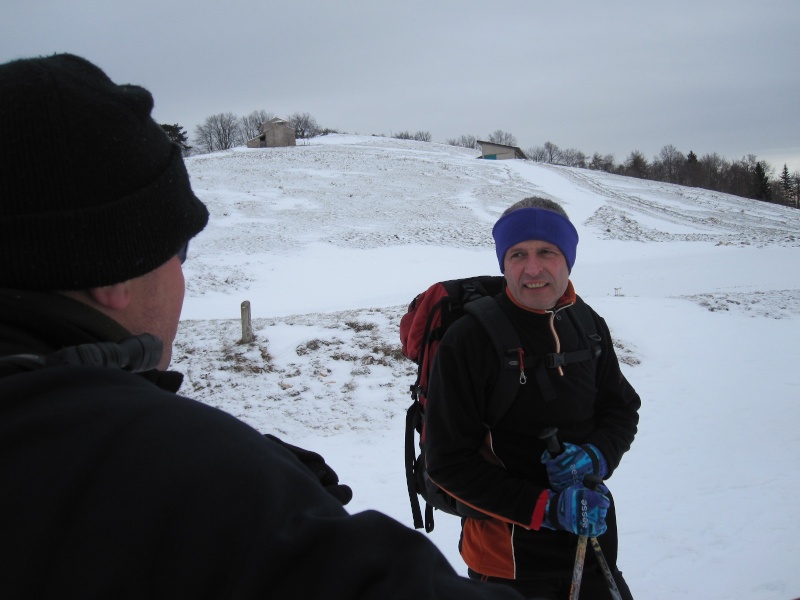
(330, 241)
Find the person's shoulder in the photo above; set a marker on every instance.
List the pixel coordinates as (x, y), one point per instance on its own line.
(465, 329)
(108, 395)
(581, 305)
(102, 383)
(110, 408)
(168, 426)
(79, 381)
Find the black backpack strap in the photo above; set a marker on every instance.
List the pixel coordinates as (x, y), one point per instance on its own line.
(581, 310)
(561, 359)
(413, 418)
(507, 347)
(588, 328)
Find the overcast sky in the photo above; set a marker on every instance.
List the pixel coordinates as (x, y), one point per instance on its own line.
(709, 76)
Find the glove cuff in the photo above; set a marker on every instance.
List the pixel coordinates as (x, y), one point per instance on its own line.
(552, 510)
(599, 464)
(539, 510)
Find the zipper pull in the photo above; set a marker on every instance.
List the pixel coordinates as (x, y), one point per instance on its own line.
(522, 379)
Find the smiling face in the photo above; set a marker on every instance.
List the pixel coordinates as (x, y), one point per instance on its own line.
(536, 273)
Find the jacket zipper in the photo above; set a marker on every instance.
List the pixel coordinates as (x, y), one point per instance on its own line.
(556, 339)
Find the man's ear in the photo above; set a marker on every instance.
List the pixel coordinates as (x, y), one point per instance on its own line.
(115, 297)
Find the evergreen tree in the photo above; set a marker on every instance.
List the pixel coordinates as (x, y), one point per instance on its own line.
(636, 165)
(796, 188)
(761, 188)
(786, 183)
(177, 134)
(692, 169)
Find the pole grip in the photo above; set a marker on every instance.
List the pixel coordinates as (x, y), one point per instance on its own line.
(591, 481)
(550, 437)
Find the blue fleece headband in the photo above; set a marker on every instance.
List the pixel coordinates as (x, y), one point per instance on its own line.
(535, 224)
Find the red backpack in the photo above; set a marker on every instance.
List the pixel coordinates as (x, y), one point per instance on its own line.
(421, 329)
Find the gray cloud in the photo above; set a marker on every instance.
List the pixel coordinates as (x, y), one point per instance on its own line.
(710, 77)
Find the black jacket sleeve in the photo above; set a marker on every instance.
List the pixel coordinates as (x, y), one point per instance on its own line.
(120, 490)
(617, 405)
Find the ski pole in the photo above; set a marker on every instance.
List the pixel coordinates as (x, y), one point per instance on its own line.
(591, 482)
(612, 584)
(577, 569)
(549, 436)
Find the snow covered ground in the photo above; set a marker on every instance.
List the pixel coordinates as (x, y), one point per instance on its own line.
(329, 242)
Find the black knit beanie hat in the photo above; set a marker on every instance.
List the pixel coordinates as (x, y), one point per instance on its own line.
(92, 191)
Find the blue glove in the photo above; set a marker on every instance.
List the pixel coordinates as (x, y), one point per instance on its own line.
(573, 464)
(578, 510)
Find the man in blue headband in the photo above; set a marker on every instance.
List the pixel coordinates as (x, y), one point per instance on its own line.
(533, 504)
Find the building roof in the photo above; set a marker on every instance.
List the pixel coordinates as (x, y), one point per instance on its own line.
(518, 153)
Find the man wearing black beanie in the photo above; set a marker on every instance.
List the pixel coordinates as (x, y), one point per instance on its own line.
(113, 486)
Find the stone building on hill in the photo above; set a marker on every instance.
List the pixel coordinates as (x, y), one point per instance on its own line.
(275, 133)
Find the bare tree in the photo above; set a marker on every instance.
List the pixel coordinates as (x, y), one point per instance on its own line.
(552, 153)
(251, 124)
(305, 126)
(536, 154)
(712, 171)
(218, 132)
(204, 138)
(465, 141)
(736, 177)
(573, 158)
(419, 136)
(669, 165)
(502, 137)
(423, 136)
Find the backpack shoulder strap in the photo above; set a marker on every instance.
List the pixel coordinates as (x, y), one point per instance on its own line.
(507, 347)
(581, 310)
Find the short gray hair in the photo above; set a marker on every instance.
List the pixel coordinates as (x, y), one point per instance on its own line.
(538, 202)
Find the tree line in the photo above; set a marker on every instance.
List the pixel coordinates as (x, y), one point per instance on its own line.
(747, 177)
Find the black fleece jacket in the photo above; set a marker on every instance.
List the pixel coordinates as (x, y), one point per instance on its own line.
(113, 487)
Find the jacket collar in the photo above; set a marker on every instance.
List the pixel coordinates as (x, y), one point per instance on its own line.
(44, 322)
(47, 321)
